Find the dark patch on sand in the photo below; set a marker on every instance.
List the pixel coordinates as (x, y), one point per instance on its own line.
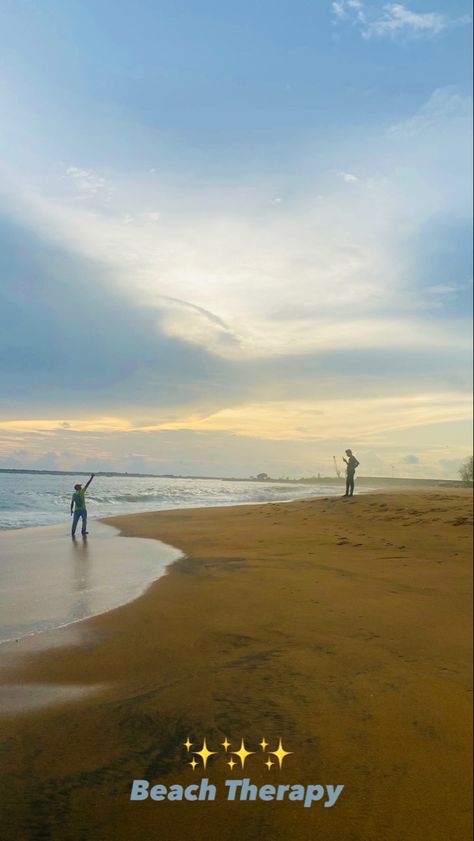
(251, 660)
(195, 566)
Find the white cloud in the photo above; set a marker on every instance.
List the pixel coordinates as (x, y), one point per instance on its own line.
(397, 19)
(326, 272)
(372, 420)
(445, 107)
(86, 182)
(348, 177)
(442, 289)
(393, 20)
(225, 453)
(338, 9)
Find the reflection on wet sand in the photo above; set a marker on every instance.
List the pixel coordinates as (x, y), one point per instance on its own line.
(24, 698)
(81, 578)
(48, 580)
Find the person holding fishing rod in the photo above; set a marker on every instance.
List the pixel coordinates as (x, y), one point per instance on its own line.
(78, 506)
(352, 464)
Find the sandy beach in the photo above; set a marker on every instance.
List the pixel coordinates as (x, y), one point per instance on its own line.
(340, 626)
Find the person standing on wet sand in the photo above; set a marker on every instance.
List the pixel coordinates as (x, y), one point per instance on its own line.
(78, 506)
(352, 463)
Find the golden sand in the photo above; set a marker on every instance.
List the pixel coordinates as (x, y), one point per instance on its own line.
(341, 626)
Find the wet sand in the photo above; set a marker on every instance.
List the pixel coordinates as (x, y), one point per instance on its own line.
(48, 580)
(341, 626)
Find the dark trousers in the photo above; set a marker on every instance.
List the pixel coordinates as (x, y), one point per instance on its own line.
(79, 513)
(349, 484)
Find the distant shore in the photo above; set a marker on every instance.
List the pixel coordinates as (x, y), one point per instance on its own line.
(376, 481)
(340, 626)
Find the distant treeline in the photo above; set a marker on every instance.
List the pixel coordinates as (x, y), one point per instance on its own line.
(303, 480)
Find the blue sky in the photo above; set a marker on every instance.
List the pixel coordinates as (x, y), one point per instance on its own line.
(235, 236)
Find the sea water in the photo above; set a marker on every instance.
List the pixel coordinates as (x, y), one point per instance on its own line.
(49, 581)
(41, 499)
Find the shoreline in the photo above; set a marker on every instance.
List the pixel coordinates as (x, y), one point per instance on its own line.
(140, 500)
(50, 581)
(101, 517)
(60, 530)
(113, 522)
(16, 534)
(340, 625)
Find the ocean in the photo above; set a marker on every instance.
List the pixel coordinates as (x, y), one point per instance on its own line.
(41, 500)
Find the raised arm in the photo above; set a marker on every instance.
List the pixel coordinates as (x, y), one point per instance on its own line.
(90, 480)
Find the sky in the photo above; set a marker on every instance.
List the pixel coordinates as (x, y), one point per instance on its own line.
(235, 237)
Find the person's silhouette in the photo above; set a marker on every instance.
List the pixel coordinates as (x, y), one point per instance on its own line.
(78, 506)
(352, 463)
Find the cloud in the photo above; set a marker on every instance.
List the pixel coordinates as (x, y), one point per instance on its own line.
(85, 181)
(348, 177)
(213, 452)
(67, 331)
(393, 20)
(343, 9)
(338, 9)
(226, 315)
(324, 420)
(442, 289)
(224, 305)
(445, 109)
(396, 19)
(410, 459)
(331, 269)
(371, 419)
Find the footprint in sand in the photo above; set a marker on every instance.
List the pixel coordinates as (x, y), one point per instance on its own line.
(461, 521)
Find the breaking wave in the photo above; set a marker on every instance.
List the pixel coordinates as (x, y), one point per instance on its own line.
(41, 499)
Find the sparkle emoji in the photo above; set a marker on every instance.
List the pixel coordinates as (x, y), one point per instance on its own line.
(280, 753)
(204, 753)
(242, 753)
